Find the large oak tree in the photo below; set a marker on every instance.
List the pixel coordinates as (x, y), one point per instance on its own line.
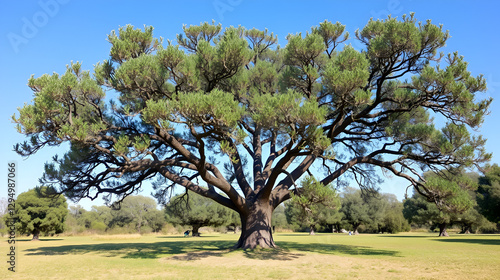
(230, 115)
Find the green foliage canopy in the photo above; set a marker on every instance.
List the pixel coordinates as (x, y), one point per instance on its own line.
(312, 203)
(356, 211)
(37, 211)
(138, 211)
(197, 211)
(457, 190)
(489, 194)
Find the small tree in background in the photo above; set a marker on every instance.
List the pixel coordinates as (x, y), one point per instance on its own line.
(279, 218)
(488, 194)
(463, 205)
(71, 222)
(233, 221)
(102, 214)
(311, 202)
(377, 206)
(38, 211)
(454, 190)
(138, 211)
(417, 210)
(355, 210)
(393, 220)
(375, 211)
(195, 211)
(155, 220)
(472, 221)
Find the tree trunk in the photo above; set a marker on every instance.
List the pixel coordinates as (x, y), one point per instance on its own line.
(36, 235)
(442, 230)
(195, 231)
(466, 229)
(311, 230)
(337, 228)
(256, 228)
(355, 229)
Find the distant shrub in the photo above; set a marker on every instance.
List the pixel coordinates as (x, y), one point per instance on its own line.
(98, 226)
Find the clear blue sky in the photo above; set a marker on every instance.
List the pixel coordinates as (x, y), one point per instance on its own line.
(38, 37)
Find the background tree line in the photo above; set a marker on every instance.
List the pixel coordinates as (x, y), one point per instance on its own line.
(136, 214)
(477, 209)
(317, 208)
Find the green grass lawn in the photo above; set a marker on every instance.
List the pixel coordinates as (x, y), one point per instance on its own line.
(323, 256)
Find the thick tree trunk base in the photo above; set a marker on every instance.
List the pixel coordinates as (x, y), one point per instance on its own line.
(256, 240)
(467, 230)
(443, 234)
(442, 231)
(311, 231)
(256, 230)
(195, 232)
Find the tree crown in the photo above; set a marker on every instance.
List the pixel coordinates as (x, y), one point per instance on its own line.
(37, 211)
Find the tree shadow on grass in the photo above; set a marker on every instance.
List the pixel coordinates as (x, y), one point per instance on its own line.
(409, 236)
(186, 237)
(195, 249)
(280, 254)
(336, 249)
(40, 240)
(470, 240)
(135, 250)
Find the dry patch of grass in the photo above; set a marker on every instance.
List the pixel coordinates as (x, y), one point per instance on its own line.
(324, 256)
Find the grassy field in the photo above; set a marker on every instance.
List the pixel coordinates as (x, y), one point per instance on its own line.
(323, 256)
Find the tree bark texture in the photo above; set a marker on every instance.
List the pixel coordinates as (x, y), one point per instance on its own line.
(36, 235)
(256, 230)
(442, 230)
(355, 229)
(195, 232)
(311, 230)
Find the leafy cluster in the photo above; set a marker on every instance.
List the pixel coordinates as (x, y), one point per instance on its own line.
(197, 211)
(353, 211)
(462, 203)
(136, 214)
(38, 212)
(489, 194)
(313, 200)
